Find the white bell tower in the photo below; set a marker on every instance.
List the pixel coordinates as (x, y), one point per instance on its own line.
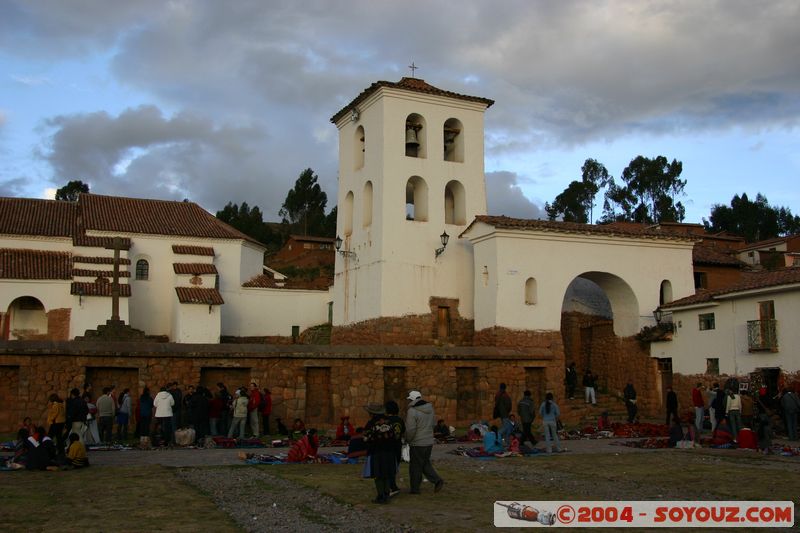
(410, 170)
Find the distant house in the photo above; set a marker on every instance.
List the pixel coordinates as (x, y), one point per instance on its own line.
(746, 327)
(772, 253)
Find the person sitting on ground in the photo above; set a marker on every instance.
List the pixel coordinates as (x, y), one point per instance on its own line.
(345, 430)
(305, 448)
(675, 432)
(76, 453)
(49, 450)
(37, 454)
(492, 443)
(21, 450)
(28, 424)
(603, 422)
(441, 430)
(356, 447)
(298, 429)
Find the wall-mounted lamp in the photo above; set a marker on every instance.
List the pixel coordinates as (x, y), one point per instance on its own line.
(658, 314)
(344, 253)
(80, 296)
(445, 238)
(210, 305)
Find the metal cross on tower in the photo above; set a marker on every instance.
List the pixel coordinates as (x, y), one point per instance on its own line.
(413, 68)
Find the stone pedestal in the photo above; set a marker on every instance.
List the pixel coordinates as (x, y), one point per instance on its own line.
(113, 330)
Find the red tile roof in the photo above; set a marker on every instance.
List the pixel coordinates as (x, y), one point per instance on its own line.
(34, 264)
(195, 295)
(409, 84)
(28, 216)
(194, 268)
(634, 231)
(750, 281)
(81, 272)
(264, 281)
(81, 239)
(704, 254)
(311, 238)
(99, 260)
(153, 217)
(192, 250)
(98, 289)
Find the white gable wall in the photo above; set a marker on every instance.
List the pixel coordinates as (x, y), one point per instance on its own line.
(728, 342)
(554, 260)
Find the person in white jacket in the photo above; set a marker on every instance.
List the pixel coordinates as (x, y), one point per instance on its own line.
(163, 404)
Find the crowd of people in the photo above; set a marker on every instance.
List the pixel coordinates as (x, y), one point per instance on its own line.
(107, 417)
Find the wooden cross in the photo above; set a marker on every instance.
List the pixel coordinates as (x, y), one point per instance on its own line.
(413, 68)
(116, 245)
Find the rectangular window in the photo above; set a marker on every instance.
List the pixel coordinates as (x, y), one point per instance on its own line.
(706, 321)
(700, 280)
(712, 366)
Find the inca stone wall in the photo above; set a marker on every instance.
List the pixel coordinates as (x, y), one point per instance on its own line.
(319, 383)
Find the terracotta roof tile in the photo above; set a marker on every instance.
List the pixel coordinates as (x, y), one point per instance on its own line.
(29, 216)
(153, 217)
(408, 84)
(264, 281)
(81, 239)
(195, 295)
(192, 250)
(98, 289)
(95, 260)
(750, 281)
(635, 231)
(34, 264)
(85, 273)
(704, 254)
(311, 238)
(194, 268)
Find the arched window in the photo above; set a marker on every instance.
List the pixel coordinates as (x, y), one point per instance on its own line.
(415, 136)
(416, 199)
(142, 269)
(665, 294)
(26, 320)
(453, 135)
(347, 214)
(530, 291)
(359, 147)
(455, 211)
(367, 205)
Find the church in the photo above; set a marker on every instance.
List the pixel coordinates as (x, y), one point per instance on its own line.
(429, 292)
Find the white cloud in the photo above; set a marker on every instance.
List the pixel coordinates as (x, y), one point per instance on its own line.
(31, 81)
(505, 197)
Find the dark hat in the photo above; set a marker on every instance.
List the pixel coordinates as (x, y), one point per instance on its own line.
(375, 409)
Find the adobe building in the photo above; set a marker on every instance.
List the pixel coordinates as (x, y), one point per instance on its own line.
(429, 292)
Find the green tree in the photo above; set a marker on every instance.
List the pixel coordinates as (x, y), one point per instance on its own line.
(70, 191)
(755, 221)
(648, 194)
(249, 221)
(304, 207)
(576, 203)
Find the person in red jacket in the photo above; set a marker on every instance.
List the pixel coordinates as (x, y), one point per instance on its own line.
(266, 408)
(253, 405)
(345, 430)
(304, 449)
(699, 406)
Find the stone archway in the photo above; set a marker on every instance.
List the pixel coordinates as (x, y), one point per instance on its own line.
(26, 319)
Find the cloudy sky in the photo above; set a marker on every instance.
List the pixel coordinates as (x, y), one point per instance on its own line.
(230, 101)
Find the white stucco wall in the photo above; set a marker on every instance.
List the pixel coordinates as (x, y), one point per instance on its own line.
(690, 347)
(196, 324)
(629, 270)
(269, 312)
(396, 255)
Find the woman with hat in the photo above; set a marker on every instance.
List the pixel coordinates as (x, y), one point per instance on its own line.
(381, 440)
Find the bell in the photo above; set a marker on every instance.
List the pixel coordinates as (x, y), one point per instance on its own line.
(411, 137)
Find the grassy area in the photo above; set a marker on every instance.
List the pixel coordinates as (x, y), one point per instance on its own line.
(148, 498)
(466, 502)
